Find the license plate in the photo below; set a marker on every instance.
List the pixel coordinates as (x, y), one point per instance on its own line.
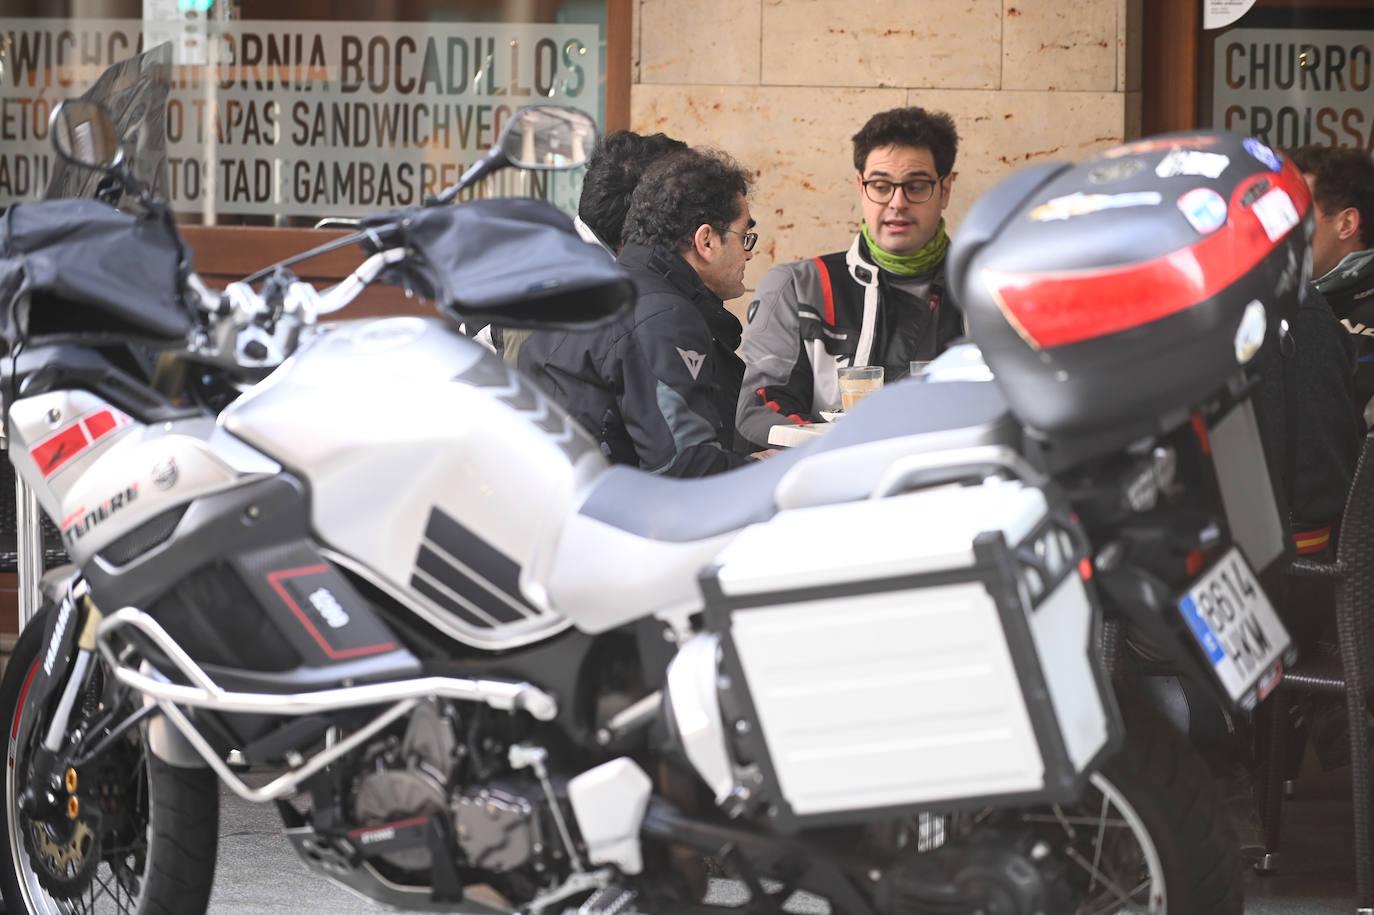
(1237, 628)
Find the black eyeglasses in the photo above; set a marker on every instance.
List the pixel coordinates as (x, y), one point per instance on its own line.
(917, 190)
(749, 238)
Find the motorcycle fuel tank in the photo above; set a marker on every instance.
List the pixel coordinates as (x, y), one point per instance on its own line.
(436, 471)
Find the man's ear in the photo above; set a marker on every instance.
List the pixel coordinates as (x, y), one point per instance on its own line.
(947, 189)
(703, 240)
(1348, 224)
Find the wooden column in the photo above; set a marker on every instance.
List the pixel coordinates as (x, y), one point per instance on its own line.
(1170, 65)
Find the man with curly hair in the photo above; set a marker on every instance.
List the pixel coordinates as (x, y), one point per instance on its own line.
(1342, 183)
(883, 302)
(657, 385)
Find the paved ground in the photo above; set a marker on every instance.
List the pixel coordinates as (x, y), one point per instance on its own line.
(259, 873)
(1317, 874)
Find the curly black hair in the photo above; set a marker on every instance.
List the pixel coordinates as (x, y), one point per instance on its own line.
(613, 171)
(682, 192)
(914, 127)
(1342, 177)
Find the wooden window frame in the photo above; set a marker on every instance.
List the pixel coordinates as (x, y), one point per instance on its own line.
(1169, 58)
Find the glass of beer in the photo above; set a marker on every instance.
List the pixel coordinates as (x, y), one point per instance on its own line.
(857, 382)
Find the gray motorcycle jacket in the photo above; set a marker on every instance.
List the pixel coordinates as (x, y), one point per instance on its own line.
(810, 317)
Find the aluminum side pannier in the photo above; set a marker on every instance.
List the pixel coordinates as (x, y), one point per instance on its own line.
(930, 650)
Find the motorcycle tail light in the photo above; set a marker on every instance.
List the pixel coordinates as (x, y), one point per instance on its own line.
(1194, 562)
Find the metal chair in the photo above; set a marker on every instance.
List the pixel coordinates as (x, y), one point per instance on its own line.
(1348, 671)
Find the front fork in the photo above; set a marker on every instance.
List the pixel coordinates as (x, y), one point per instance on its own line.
(66, 662)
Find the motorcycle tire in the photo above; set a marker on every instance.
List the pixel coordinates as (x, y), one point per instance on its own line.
(1167, 785)
(164, 820)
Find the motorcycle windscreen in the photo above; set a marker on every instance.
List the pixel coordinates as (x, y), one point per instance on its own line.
(1247, 488)
(134, 92)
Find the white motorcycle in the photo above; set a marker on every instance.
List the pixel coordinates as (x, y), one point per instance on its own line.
(488, 672)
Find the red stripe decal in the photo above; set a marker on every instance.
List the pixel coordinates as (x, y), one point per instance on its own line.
(275, 579)
(59, 448)
(1053, 309)
(827, 291)
(14, 729)
(53, 452)
(97, 424)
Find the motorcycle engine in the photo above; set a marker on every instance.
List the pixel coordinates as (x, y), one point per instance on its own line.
(497, 826)
(995, 873)
(497, 830)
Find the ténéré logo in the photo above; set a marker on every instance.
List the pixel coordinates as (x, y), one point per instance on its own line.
(82, 521)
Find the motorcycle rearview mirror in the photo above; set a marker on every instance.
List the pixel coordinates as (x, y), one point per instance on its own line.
(537, 138)
(549, 137)
(84, 134)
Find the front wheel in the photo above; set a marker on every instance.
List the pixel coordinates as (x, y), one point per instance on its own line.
(143, 835)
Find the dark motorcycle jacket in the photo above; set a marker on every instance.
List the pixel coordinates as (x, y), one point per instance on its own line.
(656, 385)
(1306, 411)
(1349, 288)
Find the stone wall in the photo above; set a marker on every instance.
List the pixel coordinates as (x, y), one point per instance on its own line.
(783, 84)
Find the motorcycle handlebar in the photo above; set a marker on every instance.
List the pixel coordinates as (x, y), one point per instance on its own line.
(246, 329)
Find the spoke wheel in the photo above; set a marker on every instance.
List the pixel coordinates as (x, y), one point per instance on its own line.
(1150, 835)
(1112, 860)
(131, 834)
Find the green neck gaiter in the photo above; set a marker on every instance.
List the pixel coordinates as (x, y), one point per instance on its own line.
(923, 261)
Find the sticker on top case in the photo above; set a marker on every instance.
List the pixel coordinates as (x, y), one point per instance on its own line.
(1276, 213)
(1204, 209)
(1192, 162)
(1263, 153)
(1140, 147)
(1112, 170)
(1080, 204)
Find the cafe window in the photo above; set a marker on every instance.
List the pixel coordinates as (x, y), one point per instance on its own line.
(1289, 73)
(282, 112)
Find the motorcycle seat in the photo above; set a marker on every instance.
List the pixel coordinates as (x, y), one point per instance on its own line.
(843, 465)
(651, 536)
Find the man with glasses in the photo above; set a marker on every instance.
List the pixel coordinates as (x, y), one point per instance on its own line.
(882, 302)
(658, 384)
